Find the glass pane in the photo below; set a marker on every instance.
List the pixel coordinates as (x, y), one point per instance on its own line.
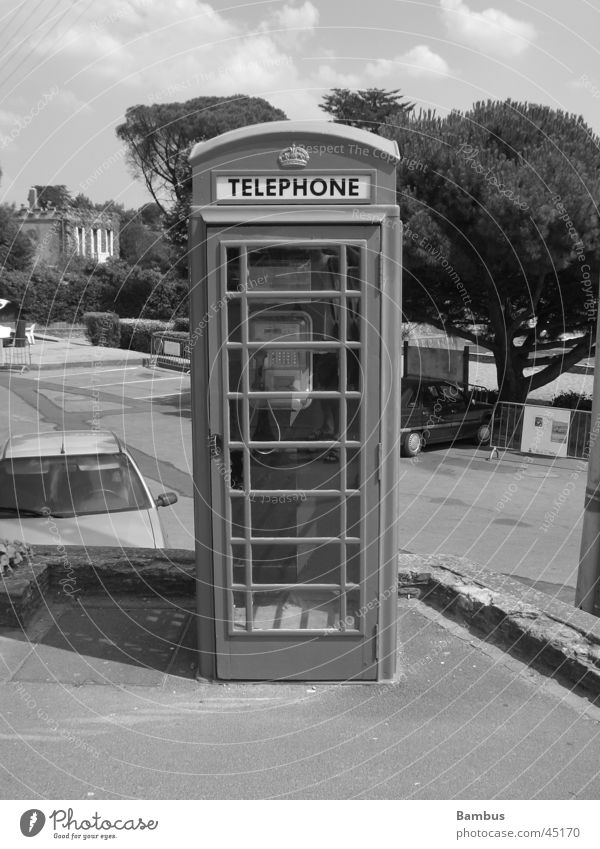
(238, 555)
(354, 377)
(309, 563)
(319, 563)
(353, 516)
(296, 609)
(353, 419)
(239, 611)
(238, 517)
(354, 573)
(233, 269)
(234, 363)
(236, 421)
(317, 421)
(274, 564)
(234, 320)
(295, 514)
(352, 620)
(302, 469)
(275, 469)
(293, 268)
(353, 280)
(352, 307)
(234, 357)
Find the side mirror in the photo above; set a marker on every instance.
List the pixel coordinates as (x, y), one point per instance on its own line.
(165, 498)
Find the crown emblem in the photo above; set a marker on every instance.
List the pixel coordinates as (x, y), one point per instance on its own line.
(293, 157)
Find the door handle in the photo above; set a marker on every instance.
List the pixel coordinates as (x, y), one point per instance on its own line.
(215, 445)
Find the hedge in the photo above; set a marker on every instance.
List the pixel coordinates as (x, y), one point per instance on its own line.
(572, 401)
(102, 328)
(136, 333)
(181, 324)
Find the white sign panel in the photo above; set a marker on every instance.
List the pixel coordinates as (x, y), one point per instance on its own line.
(294, 187)
(545, 431)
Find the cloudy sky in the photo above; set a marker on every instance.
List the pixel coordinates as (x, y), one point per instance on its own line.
(70, 68)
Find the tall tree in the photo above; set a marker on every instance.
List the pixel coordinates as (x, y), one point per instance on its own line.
(502, 235)
(142, 240)
(366, 109)
(159, 138)
(16, 248)
(58, 197)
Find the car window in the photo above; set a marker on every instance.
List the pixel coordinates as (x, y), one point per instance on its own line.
(408, 395)
(431, 394)
(71, 486)
(453, 395)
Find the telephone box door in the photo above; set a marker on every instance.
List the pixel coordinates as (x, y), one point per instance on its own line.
(294, 411)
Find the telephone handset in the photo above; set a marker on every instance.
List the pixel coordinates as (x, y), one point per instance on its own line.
(285, 370)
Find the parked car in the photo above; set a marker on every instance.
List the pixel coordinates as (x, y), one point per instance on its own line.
(76, 488)
(436, 410)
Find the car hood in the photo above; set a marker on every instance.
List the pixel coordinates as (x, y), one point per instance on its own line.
(129, 528)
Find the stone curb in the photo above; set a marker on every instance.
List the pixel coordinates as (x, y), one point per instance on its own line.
(105, 570)
(555, 638)
(551, 636)
(117, 362)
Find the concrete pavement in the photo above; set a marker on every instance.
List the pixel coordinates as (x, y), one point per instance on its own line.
(49, 352)
(84, 718)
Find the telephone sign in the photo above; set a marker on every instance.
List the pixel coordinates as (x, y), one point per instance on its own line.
(318, 187)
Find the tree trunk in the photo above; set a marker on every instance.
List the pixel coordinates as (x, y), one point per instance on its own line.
(512, 384)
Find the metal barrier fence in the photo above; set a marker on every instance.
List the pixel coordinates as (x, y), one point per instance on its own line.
(170, 350)
(532, 429)
(15, 356)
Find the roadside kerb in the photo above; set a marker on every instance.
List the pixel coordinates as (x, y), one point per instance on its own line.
(49, 353)
(551, 636)
(555, 638)
(81, 570)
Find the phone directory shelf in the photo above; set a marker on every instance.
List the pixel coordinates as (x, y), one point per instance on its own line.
(295, 310)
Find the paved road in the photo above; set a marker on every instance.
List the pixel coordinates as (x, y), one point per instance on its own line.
(519, 516)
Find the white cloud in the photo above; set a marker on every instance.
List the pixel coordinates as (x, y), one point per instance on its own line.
(135, 41)
(420, 61)
(70, 102)
(489, 31)
(291, 26)
(304, 17)
(7, 117)
(179, 50)
(328, 77)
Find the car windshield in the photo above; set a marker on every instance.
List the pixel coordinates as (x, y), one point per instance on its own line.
(70, 485)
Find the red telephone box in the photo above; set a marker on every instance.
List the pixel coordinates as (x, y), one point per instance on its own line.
(295, 338)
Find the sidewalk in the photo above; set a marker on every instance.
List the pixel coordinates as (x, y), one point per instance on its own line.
(99, 699)
(51, 353)
(86, 718)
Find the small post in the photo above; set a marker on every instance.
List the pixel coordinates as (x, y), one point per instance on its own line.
(588, 578)
(466, 358)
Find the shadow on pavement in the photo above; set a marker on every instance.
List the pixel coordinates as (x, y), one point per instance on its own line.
(114, 643)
